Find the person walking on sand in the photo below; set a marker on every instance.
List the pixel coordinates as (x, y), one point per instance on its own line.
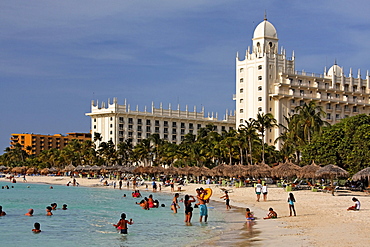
(291, 201)
(264, 192)
(227, 199)
(258, 190)
(122, 224)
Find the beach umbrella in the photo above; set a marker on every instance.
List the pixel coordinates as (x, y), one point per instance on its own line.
(95, 168)
(205, 171)
(79, 168)
(53, 170)
(31, 170)
(309, 171)
(113, 168)
(286, 169)
(69, 168)
(222, 170)
(331, 171)
(19, 169)
(3, 168)
(171, 170)
(364, 173)
(44, 171)
(262, 170)
(128, 169)
(139, 170)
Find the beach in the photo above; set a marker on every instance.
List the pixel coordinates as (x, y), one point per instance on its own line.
(322, 219)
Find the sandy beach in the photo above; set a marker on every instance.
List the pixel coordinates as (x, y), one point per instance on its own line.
(322, 219)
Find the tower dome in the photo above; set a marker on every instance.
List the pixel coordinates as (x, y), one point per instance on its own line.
(335, 70)
(265, 30)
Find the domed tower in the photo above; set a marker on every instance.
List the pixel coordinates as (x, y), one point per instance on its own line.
(265, 38)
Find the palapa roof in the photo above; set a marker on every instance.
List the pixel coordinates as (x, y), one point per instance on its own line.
(287, 169)
(362, 174)
(331, 171)
(309, 171)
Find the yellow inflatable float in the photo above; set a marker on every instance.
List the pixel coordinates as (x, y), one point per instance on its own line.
(207, 193)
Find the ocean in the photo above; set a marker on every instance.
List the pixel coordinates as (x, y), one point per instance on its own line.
(92, 211)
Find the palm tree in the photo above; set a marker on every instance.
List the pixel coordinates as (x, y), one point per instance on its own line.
(309, 119)
(250, 131)
(125, 151)
(97, 137)
(264, 122)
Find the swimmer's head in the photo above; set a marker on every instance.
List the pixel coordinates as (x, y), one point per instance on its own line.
(248, 210)
(30, 211)
(177, 195)
(162, 205)
(123, 216)
(49, 208)
(271, 209)
(37, 226)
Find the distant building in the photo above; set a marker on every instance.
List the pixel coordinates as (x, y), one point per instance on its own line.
(267, 82)
(38, 143)
(119, 123)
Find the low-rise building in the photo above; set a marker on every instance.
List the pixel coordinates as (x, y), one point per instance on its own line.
(33, 144)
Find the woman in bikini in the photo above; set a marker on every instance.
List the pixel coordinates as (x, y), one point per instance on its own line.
(175, 205)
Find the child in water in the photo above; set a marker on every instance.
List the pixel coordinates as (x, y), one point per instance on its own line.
(271, 215)
(64, 207)
(37, 228)
(248, 215)
(122, 224)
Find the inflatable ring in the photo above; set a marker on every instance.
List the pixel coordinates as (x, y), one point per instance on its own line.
(207, 193)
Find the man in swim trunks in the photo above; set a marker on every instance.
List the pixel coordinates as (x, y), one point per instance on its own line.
(203, 211)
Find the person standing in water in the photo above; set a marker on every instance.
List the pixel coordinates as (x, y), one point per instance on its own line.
(203, 211)
(227, 199)
(175, 204)
(188, 207)
(122, 224)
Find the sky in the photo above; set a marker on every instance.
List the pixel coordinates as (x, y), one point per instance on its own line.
(57, 56)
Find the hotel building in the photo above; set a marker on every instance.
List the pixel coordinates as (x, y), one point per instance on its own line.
(119, 123)
(38, 143)
(267, 82)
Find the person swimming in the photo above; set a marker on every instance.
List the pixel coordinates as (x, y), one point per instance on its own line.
(48, 211)
(36, 228)
(64, 207)
(29, 213)
(2, 213)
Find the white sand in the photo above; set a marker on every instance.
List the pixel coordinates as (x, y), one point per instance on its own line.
(322, 219)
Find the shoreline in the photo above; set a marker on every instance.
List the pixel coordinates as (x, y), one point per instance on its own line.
(322, 219)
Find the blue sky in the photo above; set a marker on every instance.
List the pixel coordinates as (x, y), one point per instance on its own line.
(57, 56)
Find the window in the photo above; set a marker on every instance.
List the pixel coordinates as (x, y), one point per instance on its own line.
(328, 106)
(173, 124)
(182, 125)
(147, 135)
(130, 127)
(156, 129)
(346, 87)
(148, 129)
(354, 88)
(139, 128)
(301, 102)
(173, 131)
(111, 118)
(301, 92)
(130, 121)
(259, 88)
(94, 120)
(165, 137)
(111, 125)
(139, 121)
(355, 109)
(110, 132)
(259, 108)
(199, 126)
(120, 119)
(337, 116)
(241, 121)
(259, 98)
(260, 77)
(241, 100)
(259, 67)
(148, 122)
(354, 98)
(156, 122)
(94, 126)
(191, 126)
(337, 96)
(120, 126)
(326, 85)
(292, 101)
(241, 90)
(138, 135)
(241, 70)
(328, 95)
(241, 80)
(120, 133)
(328, 116)
(165, 130)
(241, 110)
(165, 123)
(223, 128)
(173, 137)
(182, 132)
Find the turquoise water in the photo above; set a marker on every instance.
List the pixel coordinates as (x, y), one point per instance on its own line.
(90, 215)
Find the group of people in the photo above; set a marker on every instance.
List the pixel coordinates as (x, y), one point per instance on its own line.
(30, 213)
(148, 203)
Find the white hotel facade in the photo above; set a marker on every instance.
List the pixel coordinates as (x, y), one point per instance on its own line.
(267, 82)
(119, 123)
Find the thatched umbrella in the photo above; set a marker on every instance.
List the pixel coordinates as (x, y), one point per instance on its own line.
(205, 171)
(31, 170)
(222, 170)
(139, 170)
(128, 169)
(19, 169)
(331, 171)
(157, 169)
(69, 168)
(44, 171)
(171, 170)
(113, 168)
(309, 171)
(95, 168)
(79, 168)
(263, 170)
(364, 173)
(287, 169)
(3, 168)
(53, 170)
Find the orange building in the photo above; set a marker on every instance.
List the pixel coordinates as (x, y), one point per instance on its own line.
(38, 143)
